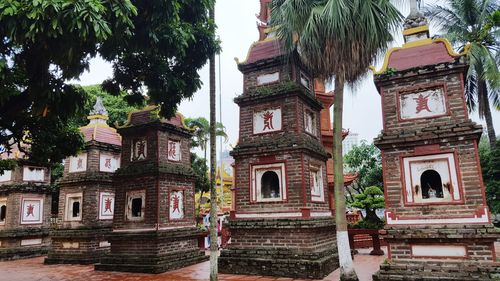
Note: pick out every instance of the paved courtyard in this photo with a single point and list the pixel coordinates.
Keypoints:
(34, 270)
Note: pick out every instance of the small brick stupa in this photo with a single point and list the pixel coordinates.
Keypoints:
(282, 223)
(25, 208)
(154, 227)
(437, 221)
(86, 196)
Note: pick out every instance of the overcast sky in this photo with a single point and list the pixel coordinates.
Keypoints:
(236, 23)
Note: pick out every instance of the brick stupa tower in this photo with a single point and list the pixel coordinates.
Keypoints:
(86, 196)
(25, 208)
(154, 227)
(282, 223)
(437, 221)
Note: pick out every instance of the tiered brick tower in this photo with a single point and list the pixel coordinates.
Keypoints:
(86, 196)
(25, 209)
(282, 224)
(154, 227)
(437, 220)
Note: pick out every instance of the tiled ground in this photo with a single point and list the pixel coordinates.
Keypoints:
(34, 270)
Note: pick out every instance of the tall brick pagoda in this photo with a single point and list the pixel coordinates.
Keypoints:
(86, 196)
(154, 227)
(282, 222)
(437, 221)
(25, 208)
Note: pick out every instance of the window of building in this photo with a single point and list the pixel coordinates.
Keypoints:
(3, 211)
(74, 207)
(432, 186)
(310, 122)
(431, 179)
(135, 206)
(268, 183)
(317, 186)
(305, 80)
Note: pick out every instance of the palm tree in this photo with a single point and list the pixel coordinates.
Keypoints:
(340, 39)
(201, 128)
(473, 21)
(213, 190)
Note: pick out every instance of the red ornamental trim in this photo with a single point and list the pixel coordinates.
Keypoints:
(479, 213)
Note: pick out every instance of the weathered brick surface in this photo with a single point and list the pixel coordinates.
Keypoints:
(152, 251)
(159, 243)
(453, 132)
(284, 247)
(13, 232)
(85, 247)
(303, 247)
(88, 232)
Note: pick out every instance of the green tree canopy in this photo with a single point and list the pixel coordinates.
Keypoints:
(156, 48)
(492, 180)
(201, 128)
(118, 109)
(364, 160)
(371, 199)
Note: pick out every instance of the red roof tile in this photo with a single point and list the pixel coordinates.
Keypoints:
(147, 115)
(263, 50)
(101, 133)
(429, 54)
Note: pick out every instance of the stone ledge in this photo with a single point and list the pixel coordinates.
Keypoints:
(133, 170)
(26, 188)
(182, 233)
(80, 233)
(413, 270)
(278, 253)
(24, 232)
(22, 253)
(294, 267)
(467, 232)
(280, 142)
(150, 263)
(281, 223)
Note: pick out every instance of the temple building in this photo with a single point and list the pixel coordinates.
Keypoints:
(282, 223)
(86, 195)
(154, 227)
(437, 221)
(25, 208)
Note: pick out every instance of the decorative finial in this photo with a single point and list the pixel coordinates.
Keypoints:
(99, 108)
(415, 25)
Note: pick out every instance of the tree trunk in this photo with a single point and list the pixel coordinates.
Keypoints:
(347, 272)
(371, 215)
(213, 190)
(483, 91)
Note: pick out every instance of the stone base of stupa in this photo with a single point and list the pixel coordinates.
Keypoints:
(152, 251)
(78, 246)
(296, 248)
(459, 253)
